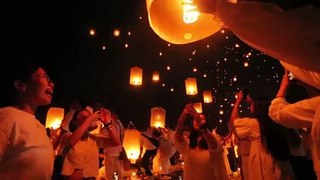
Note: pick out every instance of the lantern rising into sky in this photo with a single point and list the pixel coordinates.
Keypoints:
(54, 117)
(191, 86)
(155, 76)
(198, 107)
(131, 144)
(136, 76)
(158, 117)
(179, 21)
(207, 96)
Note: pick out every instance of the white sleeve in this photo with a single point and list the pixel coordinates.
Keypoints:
(297, 115)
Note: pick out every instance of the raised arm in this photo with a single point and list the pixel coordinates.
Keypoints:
(78, 133)
(112, 128)
(180, 123)
(284, 85)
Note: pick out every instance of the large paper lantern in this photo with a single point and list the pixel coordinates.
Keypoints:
(136, 76)
(158, 117)
(54, 117)
(131, 144)
(179, 21)
(155, 76)
(207, 96)
(191, 86)
(198, 107)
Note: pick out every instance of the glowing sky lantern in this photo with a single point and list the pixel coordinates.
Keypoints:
(131, 144)
(54, 117)
(158, 117)
(136, 76)
(179, 21)
(116, 32)
(155, 76)
(191, 86)
(207, 96)
(198, 107)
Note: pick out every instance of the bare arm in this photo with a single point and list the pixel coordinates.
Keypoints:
(78, 133)
(211, 139)
(180, 124)
(235, 110)
(284, 85)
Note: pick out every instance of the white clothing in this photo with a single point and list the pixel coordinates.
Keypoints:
(25, 149)
(166, 150)
(83, 155)
(146, 142)
(202, 164)
(261, 164)
(305, 113)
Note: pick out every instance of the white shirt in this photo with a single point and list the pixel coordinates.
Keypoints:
(83, 155)
(146, 142)
(25, 149)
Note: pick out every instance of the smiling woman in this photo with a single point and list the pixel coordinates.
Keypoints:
(30, 88)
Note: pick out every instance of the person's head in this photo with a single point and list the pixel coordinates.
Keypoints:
(31, 86)
(78, 118)
(196, 123)
(195, 137)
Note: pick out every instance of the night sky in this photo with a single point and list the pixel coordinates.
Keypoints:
(97, 67)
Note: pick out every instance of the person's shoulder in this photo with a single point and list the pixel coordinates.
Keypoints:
(8, 114)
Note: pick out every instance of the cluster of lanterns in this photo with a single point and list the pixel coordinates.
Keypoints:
(136, 74)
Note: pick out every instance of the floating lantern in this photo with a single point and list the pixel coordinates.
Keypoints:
(179, 21)
(155, 76)
(54, 117)
(136, 76)
(191, 86)
(158, 117)
(207, 96)
(198, 107)
(131, 144)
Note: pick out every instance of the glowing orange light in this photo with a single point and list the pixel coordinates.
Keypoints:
(136, 76)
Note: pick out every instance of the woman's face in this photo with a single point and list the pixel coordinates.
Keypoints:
(39, 88)
(196, 124)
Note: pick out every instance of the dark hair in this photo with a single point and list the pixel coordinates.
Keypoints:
(296, 93)
(17, 71)
(193, 140)
(72, 124)
(273, 135)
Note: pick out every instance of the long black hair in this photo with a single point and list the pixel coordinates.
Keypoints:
(273, 135)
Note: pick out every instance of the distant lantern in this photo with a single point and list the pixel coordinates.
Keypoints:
(136, 76)
(131, 144)
(180, 22)
(198, 107)
(158, 117)
(155, 76)
(54, 117)
(207, 96)
(92, 32)
(191, 86)
(116, 32)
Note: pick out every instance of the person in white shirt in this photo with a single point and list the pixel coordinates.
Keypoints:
(25, 149)
(201, 151)
(82, 157)
(304, 113)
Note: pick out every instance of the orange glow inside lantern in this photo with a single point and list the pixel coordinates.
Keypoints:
(54, 117)
(131, 144)
(191, 86)
(207, 96)
(155, 76)
(180, 22)
(136, 76)
(198, 107)
(158, 117)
